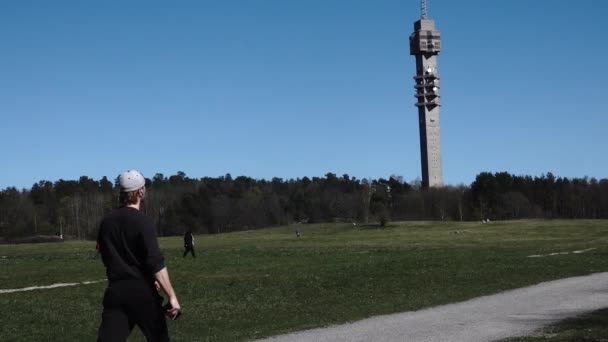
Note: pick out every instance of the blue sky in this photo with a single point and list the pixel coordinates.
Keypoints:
(275, 88)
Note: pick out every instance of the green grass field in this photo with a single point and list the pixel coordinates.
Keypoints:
(253, 284)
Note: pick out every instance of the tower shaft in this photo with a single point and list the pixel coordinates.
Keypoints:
(425, 44)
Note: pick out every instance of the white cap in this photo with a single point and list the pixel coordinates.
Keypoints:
(132, 180)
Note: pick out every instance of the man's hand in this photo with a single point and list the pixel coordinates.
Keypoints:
(172, 309)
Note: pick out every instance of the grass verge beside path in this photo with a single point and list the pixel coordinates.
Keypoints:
(592, 327)
(254, 284)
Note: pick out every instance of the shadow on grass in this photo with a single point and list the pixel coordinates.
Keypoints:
(595, 319)
(591, 327)
(375, 226)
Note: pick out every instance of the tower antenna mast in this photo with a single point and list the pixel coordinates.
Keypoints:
(423, 15)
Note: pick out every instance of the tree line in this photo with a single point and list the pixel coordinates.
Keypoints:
(177, 203)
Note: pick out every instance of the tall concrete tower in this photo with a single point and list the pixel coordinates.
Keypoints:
(425, 45)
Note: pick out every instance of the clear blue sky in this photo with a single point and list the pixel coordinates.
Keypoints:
(276, 88)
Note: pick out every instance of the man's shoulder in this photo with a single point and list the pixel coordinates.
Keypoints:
(110, 216)
(144, 221)
(126, 214)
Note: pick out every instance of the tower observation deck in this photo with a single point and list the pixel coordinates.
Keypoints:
(425, 44)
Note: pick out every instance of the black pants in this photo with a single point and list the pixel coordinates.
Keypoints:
(127, 303)
(189, 248)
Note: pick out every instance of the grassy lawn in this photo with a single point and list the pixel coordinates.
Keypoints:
(253, 284)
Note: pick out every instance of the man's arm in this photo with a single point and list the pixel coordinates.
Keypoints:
(162, 277)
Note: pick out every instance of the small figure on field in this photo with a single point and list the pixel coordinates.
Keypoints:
(135, 269)
(298, 232)
(189, 244)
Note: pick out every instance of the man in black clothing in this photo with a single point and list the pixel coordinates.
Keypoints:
(189, 244)
(135, 269)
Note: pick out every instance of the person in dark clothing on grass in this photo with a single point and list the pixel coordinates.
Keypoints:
(135, 269)
(189, 244)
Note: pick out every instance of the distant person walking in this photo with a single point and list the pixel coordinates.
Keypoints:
(189, 244)
(135, 269)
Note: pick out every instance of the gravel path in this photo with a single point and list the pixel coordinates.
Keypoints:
(512, 313)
